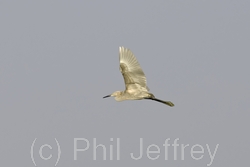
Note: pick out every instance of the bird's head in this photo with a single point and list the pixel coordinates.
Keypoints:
(116, 93)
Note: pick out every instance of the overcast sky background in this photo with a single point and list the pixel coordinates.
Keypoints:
(59, 58)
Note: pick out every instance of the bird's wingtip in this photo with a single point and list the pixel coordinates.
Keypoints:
(120, 48)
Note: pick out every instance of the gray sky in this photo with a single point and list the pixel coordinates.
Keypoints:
(59, 58)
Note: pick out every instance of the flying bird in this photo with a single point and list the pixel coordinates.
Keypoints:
(135, 80)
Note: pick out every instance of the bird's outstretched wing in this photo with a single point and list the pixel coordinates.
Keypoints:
(132, 73)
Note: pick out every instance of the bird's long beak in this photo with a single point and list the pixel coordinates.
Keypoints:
(106, 96)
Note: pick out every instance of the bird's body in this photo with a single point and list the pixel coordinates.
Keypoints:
(134, 78)
(131, 95)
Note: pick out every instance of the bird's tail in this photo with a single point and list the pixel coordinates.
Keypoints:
(169, 103)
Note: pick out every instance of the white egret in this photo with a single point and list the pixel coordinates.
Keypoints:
(135, 80)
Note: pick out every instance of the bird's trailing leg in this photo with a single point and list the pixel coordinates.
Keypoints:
(169, 103)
